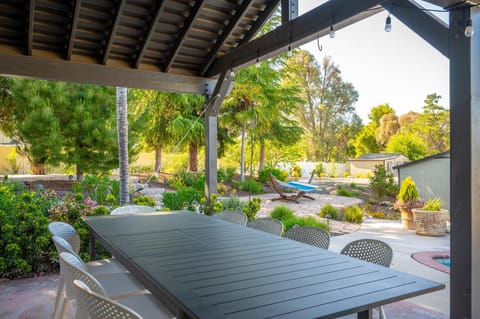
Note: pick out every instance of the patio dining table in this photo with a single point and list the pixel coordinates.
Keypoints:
(202, 267)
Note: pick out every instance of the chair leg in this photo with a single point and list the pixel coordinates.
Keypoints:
(64, 308)
(59, 297)
(381, 313)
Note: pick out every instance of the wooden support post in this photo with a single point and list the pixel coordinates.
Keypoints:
(211, 114)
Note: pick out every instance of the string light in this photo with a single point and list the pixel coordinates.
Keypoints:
(388, 24)
(290, 50)
(332, 32)
(469, 29)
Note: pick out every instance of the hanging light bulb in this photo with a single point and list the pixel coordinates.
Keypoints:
(469, 28)
(331, 34)
(388, 24)
(257, 64)
(290, 53)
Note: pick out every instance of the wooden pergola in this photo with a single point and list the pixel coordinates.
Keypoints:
(193, 47)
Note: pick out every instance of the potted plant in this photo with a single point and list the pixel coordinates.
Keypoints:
(407, 200)
(431, 219)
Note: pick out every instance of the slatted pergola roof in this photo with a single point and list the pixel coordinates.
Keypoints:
(171, 45)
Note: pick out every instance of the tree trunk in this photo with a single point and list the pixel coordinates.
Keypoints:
(38, 169)
(242, 154)
(261, 159)
(122, 131)
(192, 157)
(158, 159)
(79, 173)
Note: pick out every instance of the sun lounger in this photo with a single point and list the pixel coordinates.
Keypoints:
(300, 188)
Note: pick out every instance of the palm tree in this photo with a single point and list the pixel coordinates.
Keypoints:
(187, 129)
(122, 129)
(155, 110)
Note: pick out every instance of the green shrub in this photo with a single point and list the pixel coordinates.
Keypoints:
(263, 175)
(144, 200)
(341, 191)
(282, 212)
(249, 186)
(252, 207)
(354, 214)
(304, 221)
(232, 203)
(382, 183)
(296, 170)
(99, 188)
(183, 198)
(433, 204)
(319, 169)
(211, 207)
(225, 174)
(329, 210)
(408, 191)
(25, 244)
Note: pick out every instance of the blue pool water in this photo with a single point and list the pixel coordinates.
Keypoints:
(301, 186)
(443, 261)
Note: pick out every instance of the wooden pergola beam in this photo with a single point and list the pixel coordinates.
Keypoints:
(151, 31)
(233, 23)
(301, 30)
(71, 40)
(31, 20)
(183, 34)
(260, 21)
(423, 23)
(113, 30)
(71, 71)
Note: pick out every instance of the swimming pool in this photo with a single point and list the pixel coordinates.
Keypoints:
(443, 261)
(439, 260)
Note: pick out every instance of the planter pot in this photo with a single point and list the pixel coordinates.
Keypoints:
(431, 223)
(407, 218)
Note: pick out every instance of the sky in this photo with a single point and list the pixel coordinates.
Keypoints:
(397, 67)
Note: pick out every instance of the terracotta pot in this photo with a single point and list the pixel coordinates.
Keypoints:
(407, 218)
(431, 223)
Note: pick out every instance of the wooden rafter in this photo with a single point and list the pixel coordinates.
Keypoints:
(233, 23)
(260, 21)
(31, 19)
(301, 30)
(150, 32)
(113, 30)
(183, 34)
(71, 41)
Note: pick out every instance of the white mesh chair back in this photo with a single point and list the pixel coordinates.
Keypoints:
(132, 210)
(67, 232)
(62, 245)
(74, 268)
(232, 217)
(97, 306)
(269, 225)
(371, 250)
(314, 236)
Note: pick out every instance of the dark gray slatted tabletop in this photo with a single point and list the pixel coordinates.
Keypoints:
(210, 268)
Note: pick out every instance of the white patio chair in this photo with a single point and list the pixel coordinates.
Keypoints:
(145, 304)
(133, 210)
(232, 217)
(116, 285)
(91, 305)
(269, 225)
(373, 251)
(66, 239)
(310, 235)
